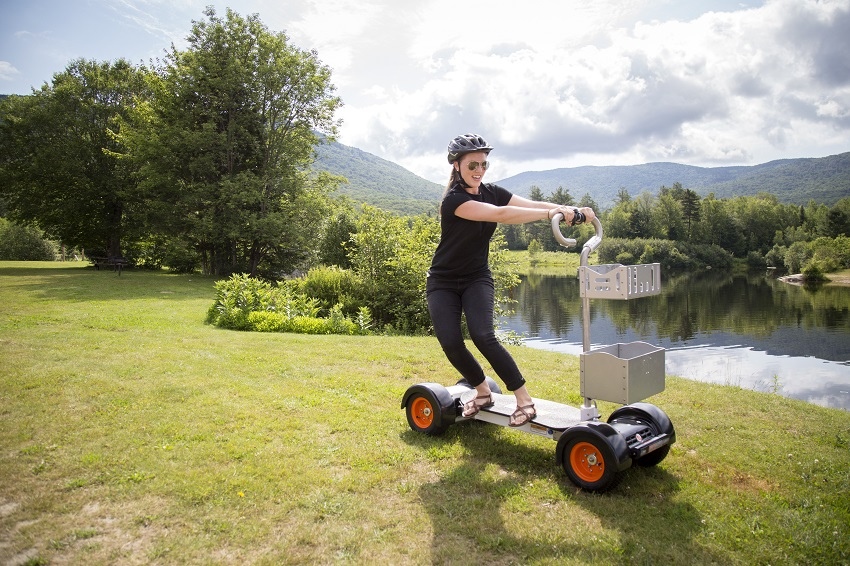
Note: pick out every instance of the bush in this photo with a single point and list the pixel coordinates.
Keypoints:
(245, 303)
(24, 243)
(832, 253)
(776, 256)
(756, 261)
(276, 322)
(796, 256)
(333, 286)
(391, 256)
(814, 272)
(674, 255)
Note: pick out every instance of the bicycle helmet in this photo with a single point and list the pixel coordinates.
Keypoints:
(466, 144)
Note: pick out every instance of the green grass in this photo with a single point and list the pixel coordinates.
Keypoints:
(545, 263)
(132, 433)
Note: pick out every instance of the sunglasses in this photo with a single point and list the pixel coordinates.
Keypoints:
(473, 165)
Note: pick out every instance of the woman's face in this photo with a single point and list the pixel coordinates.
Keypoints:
(472, 177)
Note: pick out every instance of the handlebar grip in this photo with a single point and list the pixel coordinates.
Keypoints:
(559, 236)
(592, 243)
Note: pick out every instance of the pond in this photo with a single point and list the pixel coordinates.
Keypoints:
(751, 331)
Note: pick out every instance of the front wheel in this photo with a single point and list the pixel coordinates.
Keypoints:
(589, 462)
(424, 413)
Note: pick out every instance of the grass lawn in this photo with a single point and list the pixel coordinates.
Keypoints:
(132, 433)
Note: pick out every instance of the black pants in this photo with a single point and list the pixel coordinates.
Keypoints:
(447, 300)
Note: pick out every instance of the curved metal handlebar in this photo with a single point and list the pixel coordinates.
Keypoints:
(589, 246)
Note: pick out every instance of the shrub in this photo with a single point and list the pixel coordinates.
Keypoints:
(266, 321)
(796, 256)
(236, 298)
(534, 248)
(756, 261)
(245, 303)
(814, 272)
(776, 256)
(24, 243)
(675, 255)
(333, 286)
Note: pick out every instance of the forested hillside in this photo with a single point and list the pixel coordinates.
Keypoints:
(792, 181)
(378, 182)
(389, 186)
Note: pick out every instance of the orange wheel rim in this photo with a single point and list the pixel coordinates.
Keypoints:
(422, 412)
(586, 461)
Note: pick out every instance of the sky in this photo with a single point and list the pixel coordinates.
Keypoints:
(548, 83)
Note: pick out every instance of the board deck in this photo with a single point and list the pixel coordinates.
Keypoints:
(551, 415)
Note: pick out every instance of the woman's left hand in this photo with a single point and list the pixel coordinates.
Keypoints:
(570, 215)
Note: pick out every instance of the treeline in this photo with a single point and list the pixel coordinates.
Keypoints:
(199, 161)
(681, 230)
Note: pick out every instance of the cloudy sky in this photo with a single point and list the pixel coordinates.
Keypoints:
(549, 83)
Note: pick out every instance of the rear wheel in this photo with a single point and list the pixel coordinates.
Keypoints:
(424, 413)
(589, 462)
(654, 418)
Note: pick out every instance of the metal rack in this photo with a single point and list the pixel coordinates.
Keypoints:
(619, 373)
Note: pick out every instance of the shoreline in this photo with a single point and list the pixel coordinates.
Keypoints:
(838, 279)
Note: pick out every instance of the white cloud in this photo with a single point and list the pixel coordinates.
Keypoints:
(726, 87)
(552, 83)
(7, 71)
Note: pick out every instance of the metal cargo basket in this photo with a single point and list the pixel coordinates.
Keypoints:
(615, 281)
(622, 373)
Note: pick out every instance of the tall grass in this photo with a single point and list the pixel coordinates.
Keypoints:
(133, 433)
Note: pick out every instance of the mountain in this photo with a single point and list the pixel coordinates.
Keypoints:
(384, 184)
(378, 182)
(795, 181)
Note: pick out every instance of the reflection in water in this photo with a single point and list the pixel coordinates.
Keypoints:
(753, 332)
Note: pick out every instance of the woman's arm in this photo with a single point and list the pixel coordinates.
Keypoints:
(484, 212)
(518, 211)
(517, 200)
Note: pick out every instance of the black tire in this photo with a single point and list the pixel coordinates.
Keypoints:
(424, 413)
(657, 421)
(589, 461)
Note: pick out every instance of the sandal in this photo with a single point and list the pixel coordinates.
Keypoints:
(522, 416)
(471, 408)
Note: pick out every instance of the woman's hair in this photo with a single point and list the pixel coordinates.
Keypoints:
(454, 177)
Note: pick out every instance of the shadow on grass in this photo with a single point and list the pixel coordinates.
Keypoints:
(494, 478)
(80, 283)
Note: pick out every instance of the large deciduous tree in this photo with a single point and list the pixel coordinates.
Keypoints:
(60, 165)
(225, 144)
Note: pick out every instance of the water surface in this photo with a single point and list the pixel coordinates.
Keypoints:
(751, 331)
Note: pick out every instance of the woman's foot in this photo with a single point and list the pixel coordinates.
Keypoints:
(472, 407)
(522, 415)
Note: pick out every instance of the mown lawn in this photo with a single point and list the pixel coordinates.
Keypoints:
(132, 433)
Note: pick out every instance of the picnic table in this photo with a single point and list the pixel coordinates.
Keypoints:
(114, 263)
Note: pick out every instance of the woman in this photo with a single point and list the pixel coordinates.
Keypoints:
(460, 281)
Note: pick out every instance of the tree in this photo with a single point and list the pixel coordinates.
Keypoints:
(838, 219)
(562, 196)
(391, 254)
(588, 201)
(642, 223)
(61, 165)
(335, 241)
(226, 141)
(667, 214)
(539, 231)
(690, 210)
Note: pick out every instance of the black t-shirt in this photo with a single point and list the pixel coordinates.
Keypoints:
(464, 247)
